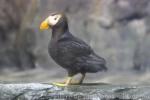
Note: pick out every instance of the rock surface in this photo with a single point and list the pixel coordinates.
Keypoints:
(97, 91)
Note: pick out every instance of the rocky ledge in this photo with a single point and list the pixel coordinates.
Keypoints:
(38, 91)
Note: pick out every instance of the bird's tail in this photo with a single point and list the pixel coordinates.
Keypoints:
(96, 63)
(103, 68)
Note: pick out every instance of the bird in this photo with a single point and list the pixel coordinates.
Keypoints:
(70, 52)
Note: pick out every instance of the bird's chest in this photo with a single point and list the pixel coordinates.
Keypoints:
(59, 54)
(53, 50)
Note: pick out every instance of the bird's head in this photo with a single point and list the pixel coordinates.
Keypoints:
(54, 20)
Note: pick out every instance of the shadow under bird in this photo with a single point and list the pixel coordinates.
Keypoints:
(70, 52)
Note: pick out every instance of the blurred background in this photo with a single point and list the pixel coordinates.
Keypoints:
(117, 30)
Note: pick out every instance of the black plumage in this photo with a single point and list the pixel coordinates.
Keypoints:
(72, 53)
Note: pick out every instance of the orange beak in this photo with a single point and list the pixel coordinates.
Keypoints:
(44, 25)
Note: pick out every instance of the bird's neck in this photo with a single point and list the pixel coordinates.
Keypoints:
(57, 32)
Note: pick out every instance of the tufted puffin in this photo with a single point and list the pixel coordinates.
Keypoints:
(70, 52)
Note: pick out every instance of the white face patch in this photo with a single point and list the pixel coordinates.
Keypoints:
(53, 19)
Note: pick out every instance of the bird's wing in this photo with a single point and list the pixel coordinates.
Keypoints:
(75, 47)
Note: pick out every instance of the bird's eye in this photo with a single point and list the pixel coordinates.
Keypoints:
(55, 18)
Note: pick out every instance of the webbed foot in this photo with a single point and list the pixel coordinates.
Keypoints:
(68, 82)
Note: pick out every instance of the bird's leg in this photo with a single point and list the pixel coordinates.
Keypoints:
(74, 82)
(66, 83)
(82, 78)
